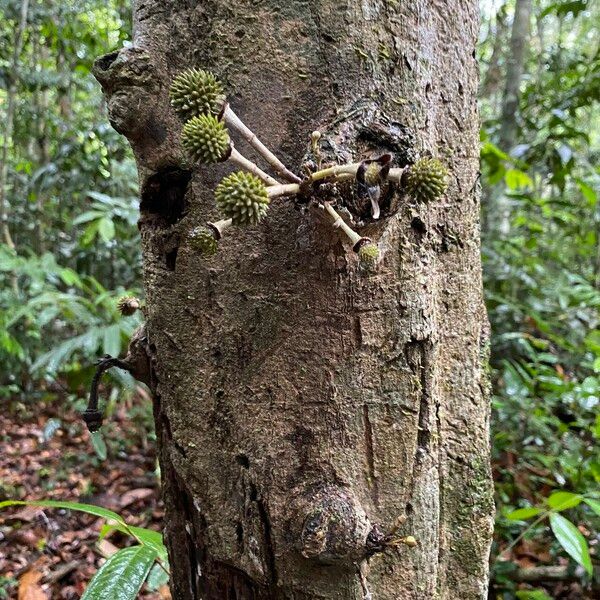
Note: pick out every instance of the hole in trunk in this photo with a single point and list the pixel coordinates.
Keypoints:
(104, 62)
(163, 195)
(171, 259)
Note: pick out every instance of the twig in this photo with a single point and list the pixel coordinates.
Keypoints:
(355, 238)
(243, 162)
(232, 120)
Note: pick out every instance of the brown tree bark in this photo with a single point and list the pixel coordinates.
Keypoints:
(304, 409)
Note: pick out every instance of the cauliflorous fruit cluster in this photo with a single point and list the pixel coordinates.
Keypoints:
(244, 196)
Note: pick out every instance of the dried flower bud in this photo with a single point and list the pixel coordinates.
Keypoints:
(128, 305)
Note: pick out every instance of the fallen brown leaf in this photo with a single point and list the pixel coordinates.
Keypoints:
(29, 587)
(135, 495)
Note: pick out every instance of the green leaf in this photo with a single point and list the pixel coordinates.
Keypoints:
(516, 179)
(593, 504)
(570, 538)
(563, 500)
(106, 229)
(122, 575)
(99, 445)
(111, 342)
(158, 576)
(86, 217)
(588, 192)
(532, 595)
(90, 509)
(523, 513)
(147, 537)
(70, 277)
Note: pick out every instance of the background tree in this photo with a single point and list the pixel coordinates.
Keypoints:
(542, 288)
(302, 407)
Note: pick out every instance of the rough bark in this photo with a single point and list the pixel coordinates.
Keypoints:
(302, 407)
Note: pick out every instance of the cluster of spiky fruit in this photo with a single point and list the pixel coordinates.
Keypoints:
(197, 96)
(196, 92)
(205, 139)
(426, 180)
(243, 198)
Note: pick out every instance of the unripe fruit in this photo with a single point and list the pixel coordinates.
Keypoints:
(242, 197)
(206, 139)
(368, 255)
(196, 92)
(426, 180)
(203, 241)
(128, 305)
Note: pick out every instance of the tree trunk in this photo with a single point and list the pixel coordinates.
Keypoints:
(306, 410)
(519, 43)
(497, 222)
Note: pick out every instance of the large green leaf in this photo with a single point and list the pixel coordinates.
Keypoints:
(563, 500)
(146, 537)
(523, 513)
(593, 504)
(122, 575)
(90, 509)
(571, 540)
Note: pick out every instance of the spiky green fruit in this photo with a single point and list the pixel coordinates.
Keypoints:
(128, 305)
(196, 92)
(206, 139)
(203, 240)
(242, 197)
(426, 180)
(368, 254)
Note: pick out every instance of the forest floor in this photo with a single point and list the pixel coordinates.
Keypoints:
(48, 554)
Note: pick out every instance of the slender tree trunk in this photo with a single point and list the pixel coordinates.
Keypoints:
(498, 205)
(519, 43)
(8, 129)
(304, 410)
(492, 82)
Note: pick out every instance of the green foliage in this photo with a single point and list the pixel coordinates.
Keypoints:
(71, 193)
(542, 281)
(56, 318)
(123, 574)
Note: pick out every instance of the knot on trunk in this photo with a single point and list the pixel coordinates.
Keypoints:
(131, 84)
(334, 527)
